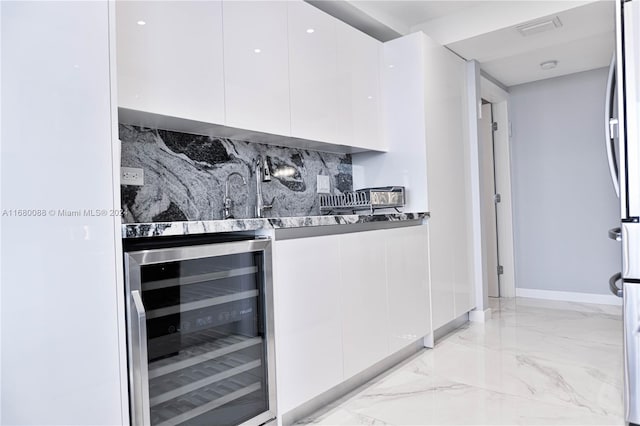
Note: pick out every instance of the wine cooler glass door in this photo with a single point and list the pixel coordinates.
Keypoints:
(200, 334)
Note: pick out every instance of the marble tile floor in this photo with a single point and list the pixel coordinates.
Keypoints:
(534, 363)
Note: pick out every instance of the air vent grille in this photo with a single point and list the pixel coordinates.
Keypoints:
(539, 26)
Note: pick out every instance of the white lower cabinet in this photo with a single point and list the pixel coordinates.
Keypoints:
(408, 295)
(364, 301)
(307, 316)
(344, 302)
(442, 284)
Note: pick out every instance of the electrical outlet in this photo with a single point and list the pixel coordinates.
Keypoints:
(131, 176)
(324, 185)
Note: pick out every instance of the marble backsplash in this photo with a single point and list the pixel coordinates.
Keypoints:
(184, 176)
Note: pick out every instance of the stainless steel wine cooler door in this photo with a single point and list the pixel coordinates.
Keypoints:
(200, 334)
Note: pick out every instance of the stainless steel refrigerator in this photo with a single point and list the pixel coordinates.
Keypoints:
(623, 148)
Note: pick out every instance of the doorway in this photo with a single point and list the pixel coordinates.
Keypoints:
(489, 198)
(496, 215)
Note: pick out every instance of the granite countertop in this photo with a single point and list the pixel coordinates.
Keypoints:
(157, 229)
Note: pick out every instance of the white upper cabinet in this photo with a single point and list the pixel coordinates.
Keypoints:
(270, 67)
(359, 95)
(256, 66)
(313, 67)
(169, 58)
(335, 80)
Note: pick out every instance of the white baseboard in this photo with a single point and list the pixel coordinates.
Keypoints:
(568, 296)
(480, 316)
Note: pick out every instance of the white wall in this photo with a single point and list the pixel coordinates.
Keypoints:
(564, 201)
(61, 360)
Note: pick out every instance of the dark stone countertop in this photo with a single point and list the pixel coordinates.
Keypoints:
(157, 229)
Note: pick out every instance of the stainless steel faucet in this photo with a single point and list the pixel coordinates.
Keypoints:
(228, 202)
(261, 170)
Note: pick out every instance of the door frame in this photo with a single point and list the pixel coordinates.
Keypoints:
(499, 99)
(488, 206)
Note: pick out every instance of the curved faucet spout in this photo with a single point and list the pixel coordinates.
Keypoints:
(226, 184)
(228, 203)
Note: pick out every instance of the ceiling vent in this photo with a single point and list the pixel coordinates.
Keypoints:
(539, 26)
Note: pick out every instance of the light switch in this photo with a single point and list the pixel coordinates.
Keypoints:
(324, 185)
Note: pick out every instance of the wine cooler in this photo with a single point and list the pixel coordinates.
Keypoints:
(200, 331)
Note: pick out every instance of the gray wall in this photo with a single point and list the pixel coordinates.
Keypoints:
(564, 201)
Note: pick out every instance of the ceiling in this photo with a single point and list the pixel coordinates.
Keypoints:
(486, 31)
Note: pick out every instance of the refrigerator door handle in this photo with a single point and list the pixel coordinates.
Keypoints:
(611, 126)
(615, 234)
(629, 112)
(139, 362)
(612, 284)
(632, 352)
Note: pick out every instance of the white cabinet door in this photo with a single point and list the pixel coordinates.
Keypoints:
(308, 320)
(173, 63)
(364, 300)
(407, 285)
(359, 95)
(256, 66)
(449, 183)
(442, 286)
(62, 333)
(312, 61)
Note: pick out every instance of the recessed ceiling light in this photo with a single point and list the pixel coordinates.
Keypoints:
(310, 30)
(141, 23)
(549, 65)
(539, 26)
(391, 66)
(369, 97)
(257, 50)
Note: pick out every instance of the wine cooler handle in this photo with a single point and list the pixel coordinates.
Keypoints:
(139, 361)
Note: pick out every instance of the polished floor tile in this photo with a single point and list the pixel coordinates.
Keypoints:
(534, 363)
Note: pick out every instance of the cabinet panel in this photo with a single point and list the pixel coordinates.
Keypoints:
(364, 300)
(173, 64)
(359, 95)
(308, 320)
(442, 264)
(63, 361)
(449, 183)
(312, 61)
(407, 285)
(256, 66)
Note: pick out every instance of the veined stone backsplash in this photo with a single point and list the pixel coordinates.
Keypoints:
(185, 174)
